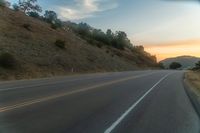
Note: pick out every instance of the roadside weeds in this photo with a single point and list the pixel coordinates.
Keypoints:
(192, 87)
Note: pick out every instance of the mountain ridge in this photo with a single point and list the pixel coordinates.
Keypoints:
(186, 61)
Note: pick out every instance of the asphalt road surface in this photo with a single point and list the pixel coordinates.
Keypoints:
(123, 102)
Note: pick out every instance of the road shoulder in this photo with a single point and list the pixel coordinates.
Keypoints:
(192, 87)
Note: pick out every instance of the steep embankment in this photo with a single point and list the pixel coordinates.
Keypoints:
(31, 43)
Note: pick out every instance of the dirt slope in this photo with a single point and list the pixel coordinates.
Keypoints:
(31, 42)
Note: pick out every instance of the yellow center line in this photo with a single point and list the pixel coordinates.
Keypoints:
(39, 100)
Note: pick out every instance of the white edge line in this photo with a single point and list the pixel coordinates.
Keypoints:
(112, 127)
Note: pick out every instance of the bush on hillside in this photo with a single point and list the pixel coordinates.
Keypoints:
(56, 25)
(53, 26)
(27, 27)
(7, 61)
(60, 44)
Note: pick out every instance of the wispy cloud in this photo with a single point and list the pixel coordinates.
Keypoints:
(85, 8)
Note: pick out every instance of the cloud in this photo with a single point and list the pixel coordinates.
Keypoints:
(85, 8)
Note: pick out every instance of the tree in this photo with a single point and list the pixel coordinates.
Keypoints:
(197, 65)
(50, 16)
(175, 65)
(109, 33)
(33, 14)
(15, 7)
(120, 40)
(84, 29)
(100, 36)
(29, 5)
(58, 23)
(138, 48)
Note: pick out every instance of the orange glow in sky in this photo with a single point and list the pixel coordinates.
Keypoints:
(173, 49)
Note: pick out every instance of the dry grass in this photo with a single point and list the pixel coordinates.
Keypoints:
(194, 79)
(31, 42)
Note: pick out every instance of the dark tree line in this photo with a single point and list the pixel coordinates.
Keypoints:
(32, 9)
(118, 39)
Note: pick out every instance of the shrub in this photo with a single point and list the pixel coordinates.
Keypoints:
(53, 26)
(7, 61)
(27, 27)
(175, 65)
(60, 44)
(99, 45)
(56, 25)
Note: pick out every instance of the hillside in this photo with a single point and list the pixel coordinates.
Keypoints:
(185, 61)
(31, 44)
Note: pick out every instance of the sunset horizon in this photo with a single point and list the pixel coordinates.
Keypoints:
(174, 49)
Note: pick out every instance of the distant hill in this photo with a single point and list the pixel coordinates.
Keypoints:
(35, 49)
(185, 61)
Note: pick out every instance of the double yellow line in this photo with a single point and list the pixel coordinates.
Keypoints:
(39, 100)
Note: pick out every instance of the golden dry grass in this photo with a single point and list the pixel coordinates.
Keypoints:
(38, 56)
(193, 77)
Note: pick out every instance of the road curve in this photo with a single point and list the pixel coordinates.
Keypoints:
(151, 101)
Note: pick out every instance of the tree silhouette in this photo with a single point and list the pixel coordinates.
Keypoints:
(175, 65)
(197, 65)
(50, 16)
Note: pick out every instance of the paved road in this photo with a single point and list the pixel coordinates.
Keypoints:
(125, 102)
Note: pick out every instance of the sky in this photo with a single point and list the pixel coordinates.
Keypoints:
(166, 28)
